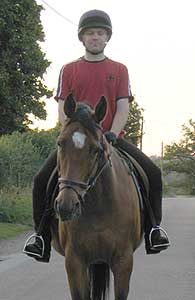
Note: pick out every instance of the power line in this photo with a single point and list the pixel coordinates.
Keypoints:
(58, 13)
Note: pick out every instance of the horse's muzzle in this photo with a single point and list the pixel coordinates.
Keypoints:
(67, 214)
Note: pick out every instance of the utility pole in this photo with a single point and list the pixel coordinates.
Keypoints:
(142, 133)
(162, 157)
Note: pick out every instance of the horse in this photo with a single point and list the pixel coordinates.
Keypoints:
(99, 222)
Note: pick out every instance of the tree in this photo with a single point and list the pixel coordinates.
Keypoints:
(22, 65)
(180, 157)
(134, 126)
(186, 146)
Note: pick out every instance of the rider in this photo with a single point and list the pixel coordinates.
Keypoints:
(88, 78)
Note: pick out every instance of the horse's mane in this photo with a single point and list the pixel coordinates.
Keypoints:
(84, 114)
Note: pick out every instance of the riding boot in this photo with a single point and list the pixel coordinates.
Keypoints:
(38, 246)
(156, 239)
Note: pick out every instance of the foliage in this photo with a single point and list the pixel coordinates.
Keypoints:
(175, 183)
(22, 154)
(19, 159)
(22, 65)
(134, 126)
(44, 141)
(15, 205)
(180, 156)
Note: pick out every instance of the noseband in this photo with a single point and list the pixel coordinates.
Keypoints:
(101, 163)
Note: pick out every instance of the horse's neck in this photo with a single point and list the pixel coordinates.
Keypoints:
(105, 190)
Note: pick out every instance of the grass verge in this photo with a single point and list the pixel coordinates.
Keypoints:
(16, 206)
(8, 230)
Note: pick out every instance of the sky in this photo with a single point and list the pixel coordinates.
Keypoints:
(155, 39)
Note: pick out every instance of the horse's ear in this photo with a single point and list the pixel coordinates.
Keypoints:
(100, 109)
(69, 106)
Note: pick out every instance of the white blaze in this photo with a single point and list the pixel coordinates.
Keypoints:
(79, 139)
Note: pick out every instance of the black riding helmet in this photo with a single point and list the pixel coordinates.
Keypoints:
(94, 18)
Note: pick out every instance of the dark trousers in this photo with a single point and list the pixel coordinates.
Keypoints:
(151, 170)
(40, 182)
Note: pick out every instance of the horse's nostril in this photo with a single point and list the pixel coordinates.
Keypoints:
(78, 209)
(56, 207)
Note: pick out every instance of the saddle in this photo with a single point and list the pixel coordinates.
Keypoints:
(139, 176)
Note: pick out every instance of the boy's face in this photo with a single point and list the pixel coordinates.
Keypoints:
(95, 39)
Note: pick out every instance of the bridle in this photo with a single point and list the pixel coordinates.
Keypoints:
(100, 163)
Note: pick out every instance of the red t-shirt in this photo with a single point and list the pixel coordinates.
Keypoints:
(88, 81)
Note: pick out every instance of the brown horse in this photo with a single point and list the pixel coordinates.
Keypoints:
(98, 207)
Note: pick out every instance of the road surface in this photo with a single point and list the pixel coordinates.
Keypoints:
(167, 276)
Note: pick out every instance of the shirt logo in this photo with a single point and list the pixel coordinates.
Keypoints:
(110, 77)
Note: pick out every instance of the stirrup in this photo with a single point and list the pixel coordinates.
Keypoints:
(31, 240)
(159, 246)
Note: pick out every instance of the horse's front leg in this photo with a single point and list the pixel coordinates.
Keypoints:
(122, 272)
(77, 277)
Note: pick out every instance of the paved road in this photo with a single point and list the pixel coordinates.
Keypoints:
(168, 276)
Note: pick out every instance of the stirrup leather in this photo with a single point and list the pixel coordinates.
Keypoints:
(31, 240)
(159, 246)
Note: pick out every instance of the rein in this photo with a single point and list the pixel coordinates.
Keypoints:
(86, 186)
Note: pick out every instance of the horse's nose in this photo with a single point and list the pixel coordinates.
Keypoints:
(67, 212)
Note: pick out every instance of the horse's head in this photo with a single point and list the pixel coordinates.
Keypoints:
(81, 155)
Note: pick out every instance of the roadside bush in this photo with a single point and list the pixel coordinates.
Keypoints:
(19, 160)
(44, 141)
(21, 156)
(15, 206)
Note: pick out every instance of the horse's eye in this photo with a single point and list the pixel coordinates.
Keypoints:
(60, 143)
